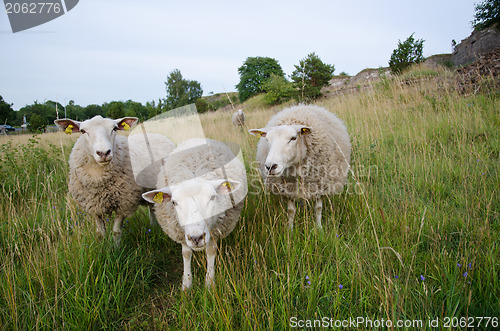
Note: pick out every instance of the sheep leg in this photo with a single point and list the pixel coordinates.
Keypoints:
(101, 227)
(211, 252)
(187, 278)
(152, 218)
(117, 230)
(291, 212)
(318, 207)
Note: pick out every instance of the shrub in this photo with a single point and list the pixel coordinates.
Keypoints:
(310, 76)
(201, 105)
(407, 53)
(278, 90)
(487, 14)
(254, 73)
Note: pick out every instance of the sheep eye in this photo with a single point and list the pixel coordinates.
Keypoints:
(174, 203)
(212, 198)
(115, 128)
(83, 131)
(293, 138)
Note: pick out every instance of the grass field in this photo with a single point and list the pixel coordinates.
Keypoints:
(415, 235)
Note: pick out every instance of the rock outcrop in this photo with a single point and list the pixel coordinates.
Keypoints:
(478, 43)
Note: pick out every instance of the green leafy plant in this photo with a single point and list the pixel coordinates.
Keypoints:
(254, 73)
(487, 14)
(278, 90)
(310, 76)
(408, 52)
(180, 91)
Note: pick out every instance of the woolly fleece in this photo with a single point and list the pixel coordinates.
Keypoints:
(324, 166)
(200, 158)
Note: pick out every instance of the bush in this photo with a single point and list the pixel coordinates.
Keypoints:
(310, 76)
(278, 90)
(487, 14)
(407, 53)
(201, 105)
(254, 73)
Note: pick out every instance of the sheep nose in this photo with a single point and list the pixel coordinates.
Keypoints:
(103, 154)
(271, 168)
(197, 240)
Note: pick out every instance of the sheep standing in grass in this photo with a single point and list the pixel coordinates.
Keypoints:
(238, 118)
(101, 179)
(199, 197)
(304, 152)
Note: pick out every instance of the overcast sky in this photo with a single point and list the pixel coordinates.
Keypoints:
(110, 50)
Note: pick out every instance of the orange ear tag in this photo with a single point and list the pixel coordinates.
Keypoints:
(69, 129)
(158, 197)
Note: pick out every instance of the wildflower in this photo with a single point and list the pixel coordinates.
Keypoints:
(465, 274)
(307, 277)
(341, 286)
(477, 160)
(470, 265)
(149, 230)
(459, 265)
(308, 282)
(396, 276)
(422, 278)
(337, 235)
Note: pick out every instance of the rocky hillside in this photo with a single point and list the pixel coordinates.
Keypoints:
(478, 43)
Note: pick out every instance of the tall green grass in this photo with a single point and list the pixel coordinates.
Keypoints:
(414, 236)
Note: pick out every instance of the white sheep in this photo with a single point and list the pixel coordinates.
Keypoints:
(101, 179)
(238, 118)
(304, 152)
(200, 195)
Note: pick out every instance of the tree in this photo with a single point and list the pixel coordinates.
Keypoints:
(115, 109)
(278, 90)
(37, 123)
(7, 114)
(180, 91)
(39, 115)
(254, 72)
(92, 110)
(487, 14)
(310, 76)
(407, 53)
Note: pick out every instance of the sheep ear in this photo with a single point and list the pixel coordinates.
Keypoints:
(223, 186)
(126, 123)
(158, 196)
(68, 126)
(258, 132)
(302, 129)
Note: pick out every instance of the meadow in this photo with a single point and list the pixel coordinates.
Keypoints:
(415, 236)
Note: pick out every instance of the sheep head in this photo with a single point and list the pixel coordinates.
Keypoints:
(99, 134)
(286, 146)
(196, 202)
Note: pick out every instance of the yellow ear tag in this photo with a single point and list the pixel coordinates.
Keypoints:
(126, 126)
(158, 197)
(69, 129)
(228, 185)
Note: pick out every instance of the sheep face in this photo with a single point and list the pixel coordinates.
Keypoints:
(286, 146)
(196, 203)
(99, 134)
